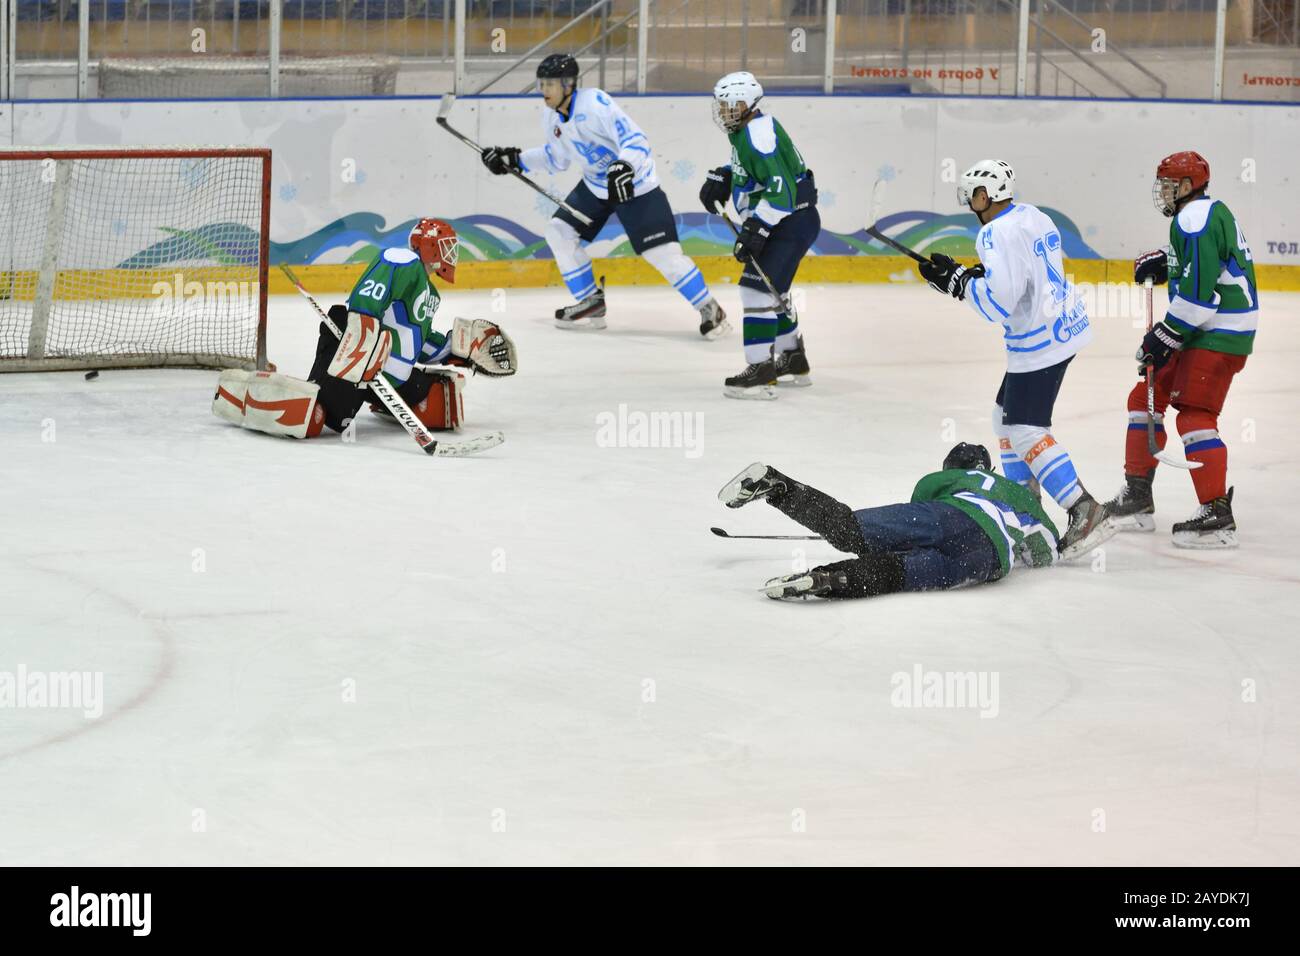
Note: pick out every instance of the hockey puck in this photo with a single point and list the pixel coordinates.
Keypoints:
(91, 375)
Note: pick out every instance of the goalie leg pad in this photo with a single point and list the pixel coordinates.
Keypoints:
(228, 400)
(279, 405)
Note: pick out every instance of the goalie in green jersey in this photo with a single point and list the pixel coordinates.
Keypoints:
(387, 329)
(964, 525)
(771, 187)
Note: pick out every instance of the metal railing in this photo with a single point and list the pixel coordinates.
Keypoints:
(1128, 48)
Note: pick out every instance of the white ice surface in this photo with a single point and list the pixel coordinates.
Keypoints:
(501, 618)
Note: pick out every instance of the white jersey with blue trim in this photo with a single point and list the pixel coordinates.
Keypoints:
(1025, 289)
(596, 133)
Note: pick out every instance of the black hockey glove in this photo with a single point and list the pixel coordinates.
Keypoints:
(1153, 266)
(716, 189)
(1158, 345)
(945, 275)
(619, 178)
(752, 239)
(500, 159)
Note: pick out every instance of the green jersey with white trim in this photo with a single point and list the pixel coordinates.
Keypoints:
(765, 169)
(397, 291)
(1010, 514)
(1213, 300)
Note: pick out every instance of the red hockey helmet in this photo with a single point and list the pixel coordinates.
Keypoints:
(1173, 169)
(435, 242)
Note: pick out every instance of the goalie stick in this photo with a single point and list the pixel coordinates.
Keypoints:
(444, 108)
(394, 403)
(767, 537)
(1153, 447)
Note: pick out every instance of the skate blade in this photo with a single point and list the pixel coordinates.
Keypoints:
(1104, 531)
(589, 323)
(1137, 522)
(732, 494)
(794, 381)
(718, 331)
(1214, 540)
(759, 393)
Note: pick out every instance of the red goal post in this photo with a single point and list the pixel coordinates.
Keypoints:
(117, 257)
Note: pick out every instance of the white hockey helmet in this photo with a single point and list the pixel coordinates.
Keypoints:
(997, 178)
(735, 97)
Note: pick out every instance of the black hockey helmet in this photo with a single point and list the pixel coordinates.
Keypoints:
(558, 66)
(965, 455)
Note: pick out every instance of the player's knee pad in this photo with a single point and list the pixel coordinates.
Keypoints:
(1028, 441)
(668, 258)
(757, 301)
(1137, 398)
(562, 238)
(1197, 425)
(269, 402)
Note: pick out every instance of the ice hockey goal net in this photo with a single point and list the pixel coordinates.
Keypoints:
(119, 257)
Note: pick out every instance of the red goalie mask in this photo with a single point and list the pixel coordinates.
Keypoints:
(435, 242)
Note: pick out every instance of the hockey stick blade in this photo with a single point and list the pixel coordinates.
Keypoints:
(445, 105)
(1169, 459)
(470, 446)
(767, 537)
(875, 233)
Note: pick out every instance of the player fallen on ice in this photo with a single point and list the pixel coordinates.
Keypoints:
(963, 525)
(1203, 341)
(618, 179)
(1020, 285)
(771, 187)
(387, 327)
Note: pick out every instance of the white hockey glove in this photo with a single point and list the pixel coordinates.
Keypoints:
(362, 351)
(484, 347)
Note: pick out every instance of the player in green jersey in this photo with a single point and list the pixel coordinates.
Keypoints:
(1203, 341)
(387, 327)
(964, 525)
(771, 187)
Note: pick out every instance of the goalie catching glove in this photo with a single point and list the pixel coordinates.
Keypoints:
(484, 347)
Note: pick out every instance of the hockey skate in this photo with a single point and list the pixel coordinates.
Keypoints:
(756, 382)
(587, 314)
(792, 368)
(1089, 526)
(1133, 508)
(713, 321)
(800, 586)
(756, 481)
(1211, 527)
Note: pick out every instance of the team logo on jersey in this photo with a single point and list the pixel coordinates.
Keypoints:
(737, 167)
(556, 131)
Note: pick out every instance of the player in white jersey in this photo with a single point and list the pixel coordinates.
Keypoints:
(618, 178)
(1020, 284)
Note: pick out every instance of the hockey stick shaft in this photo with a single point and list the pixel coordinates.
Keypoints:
(380, 388)
(875, 233)
(767, 537)
(784, 300)
(442, 121)
(1150, 372)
